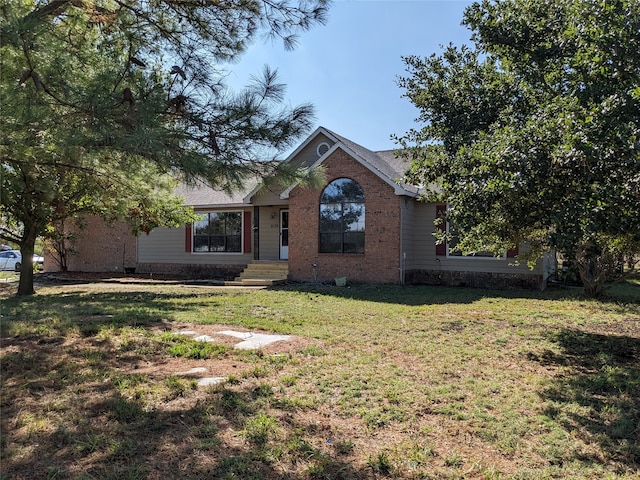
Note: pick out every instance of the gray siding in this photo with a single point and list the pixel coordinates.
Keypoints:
(267, 198)
(269, 233)
(308, 155)
(167, 245)
(421, 243)
(407, 225)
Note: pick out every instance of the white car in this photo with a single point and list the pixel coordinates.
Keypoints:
(10, 260)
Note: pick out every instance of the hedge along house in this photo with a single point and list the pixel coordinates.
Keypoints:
(364, 225)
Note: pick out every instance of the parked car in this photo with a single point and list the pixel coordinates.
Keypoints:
(10, 260)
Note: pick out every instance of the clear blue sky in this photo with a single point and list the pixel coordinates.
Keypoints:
(348, 68)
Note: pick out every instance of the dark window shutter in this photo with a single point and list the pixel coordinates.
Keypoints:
(441, 249)
(247, 232)
(188, 238)
(512, 252)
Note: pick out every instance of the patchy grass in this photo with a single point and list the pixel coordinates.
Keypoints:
(383, 382)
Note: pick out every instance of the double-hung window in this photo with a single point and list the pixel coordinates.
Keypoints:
(219, 232)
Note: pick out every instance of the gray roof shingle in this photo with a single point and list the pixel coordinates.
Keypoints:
(385, 163)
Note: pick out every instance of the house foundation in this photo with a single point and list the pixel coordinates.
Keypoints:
(475, 279)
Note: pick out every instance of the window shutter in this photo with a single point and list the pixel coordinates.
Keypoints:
(512, 252)
(247, 233)
(441, 249)
(188, 238)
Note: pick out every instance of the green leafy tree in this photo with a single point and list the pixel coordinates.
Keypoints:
(533, 133)
(106, 101)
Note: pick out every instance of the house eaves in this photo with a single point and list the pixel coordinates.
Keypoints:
(318, 131)
(366, 161)
(201, 196)
(383, 164)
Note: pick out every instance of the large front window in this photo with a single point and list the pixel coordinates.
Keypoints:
(342, 216)
(218, 232)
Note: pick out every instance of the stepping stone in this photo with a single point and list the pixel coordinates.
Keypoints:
(209, 381)
(205, 338)
(193, 371)
(260, 340)
(242, 335)
(187, 332)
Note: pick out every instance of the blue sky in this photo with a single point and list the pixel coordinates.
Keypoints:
(348, 68)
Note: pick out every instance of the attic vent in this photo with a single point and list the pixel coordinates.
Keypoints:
(322, 149)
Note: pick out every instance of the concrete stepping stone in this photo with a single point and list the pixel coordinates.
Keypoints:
(193, 371)
(187, 332)
(205, 338)
(242, 335)
(254, 341)
(209, 381)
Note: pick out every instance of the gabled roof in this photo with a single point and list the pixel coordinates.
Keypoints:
(384, 164)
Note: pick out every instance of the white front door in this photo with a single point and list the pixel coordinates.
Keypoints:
(284, 234)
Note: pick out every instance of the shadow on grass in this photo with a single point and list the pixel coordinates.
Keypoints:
(94, 429)
(597, 396)
(415, 295)
(88, 312)
(70, 409)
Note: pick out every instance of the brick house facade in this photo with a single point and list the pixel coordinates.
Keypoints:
(380, 262)
(267, 225)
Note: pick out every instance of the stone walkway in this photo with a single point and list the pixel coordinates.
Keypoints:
(249, 341)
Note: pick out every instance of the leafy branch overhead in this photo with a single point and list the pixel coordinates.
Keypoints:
(114, 94)
(532, 133)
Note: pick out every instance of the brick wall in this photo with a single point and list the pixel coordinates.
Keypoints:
(192, 271)
(475, 279)
(100, 247)
(381, 261)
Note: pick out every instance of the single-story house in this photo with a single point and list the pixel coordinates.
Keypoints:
(365, 225)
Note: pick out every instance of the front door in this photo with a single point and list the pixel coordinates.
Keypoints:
(284, 234)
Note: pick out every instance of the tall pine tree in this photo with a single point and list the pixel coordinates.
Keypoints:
(105, 101)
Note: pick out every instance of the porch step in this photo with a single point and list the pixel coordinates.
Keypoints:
(264, 272)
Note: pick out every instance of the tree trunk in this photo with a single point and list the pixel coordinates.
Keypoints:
(27, 247)
(596, 266)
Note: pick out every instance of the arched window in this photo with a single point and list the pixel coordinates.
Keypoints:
(342, 217)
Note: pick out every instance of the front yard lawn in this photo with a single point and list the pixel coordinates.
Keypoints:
(375, 382)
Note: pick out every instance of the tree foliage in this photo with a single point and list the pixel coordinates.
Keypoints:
(533, 132)
(107, 102)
